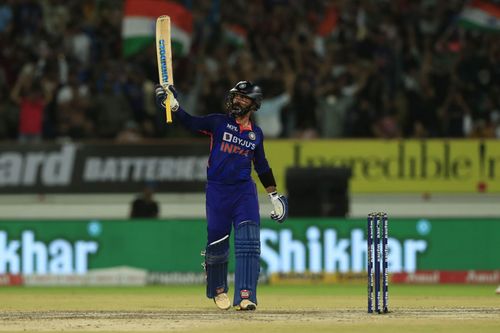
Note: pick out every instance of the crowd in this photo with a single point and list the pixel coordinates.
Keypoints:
(328, 68)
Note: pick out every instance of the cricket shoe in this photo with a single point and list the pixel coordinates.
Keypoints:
(222, 301)
(246, 305)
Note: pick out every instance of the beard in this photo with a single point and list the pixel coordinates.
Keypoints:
(239, 110)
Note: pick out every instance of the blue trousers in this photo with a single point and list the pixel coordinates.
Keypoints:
(231, 206)
(228, 205)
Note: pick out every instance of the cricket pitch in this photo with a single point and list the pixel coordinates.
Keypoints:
(340, 308)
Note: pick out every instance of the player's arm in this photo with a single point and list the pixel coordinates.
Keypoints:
(266, 177)
(195, 124)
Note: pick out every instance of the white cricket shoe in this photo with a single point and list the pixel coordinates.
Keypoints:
(246, 305)
(222, 301)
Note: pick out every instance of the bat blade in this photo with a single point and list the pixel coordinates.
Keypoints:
(164, 58)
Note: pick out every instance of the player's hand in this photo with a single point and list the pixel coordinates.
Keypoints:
(280, 204)
(162, 94)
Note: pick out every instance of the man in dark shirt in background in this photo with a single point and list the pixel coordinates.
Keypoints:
(144, 206)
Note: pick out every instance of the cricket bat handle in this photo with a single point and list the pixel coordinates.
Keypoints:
(168, 110)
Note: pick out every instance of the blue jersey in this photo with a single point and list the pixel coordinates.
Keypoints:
(232, 147)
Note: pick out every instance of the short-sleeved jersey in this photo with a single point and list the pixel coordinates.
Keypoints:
(232, 147)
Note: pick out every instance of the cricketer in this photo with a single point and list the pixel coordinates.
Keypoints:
(231, 194)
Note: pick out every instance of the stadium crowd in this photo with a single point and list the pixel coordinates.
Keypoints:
(328, 68)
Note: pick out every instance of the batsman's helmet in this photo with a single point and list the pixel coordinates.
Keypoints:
(247, 89)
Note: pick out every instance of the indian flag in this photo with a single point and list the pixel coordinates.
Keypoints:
(481, 15)
(329, 22)
(235, 34)
(138, 28)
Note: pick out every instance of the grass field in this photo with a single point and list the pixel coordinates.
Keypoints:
(291, 309)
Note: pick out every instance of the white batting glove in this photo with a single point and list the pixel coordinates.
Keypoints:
(280, 204)
(162, 94)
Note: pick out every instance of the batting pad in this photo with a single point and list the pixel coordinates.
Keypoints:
(216, 258)
(247, 251)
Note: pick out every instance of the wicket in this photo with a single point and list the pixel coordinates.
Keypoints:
(377, 238)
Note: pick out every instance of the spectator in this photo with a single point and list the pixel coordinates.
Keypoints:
(495, 121)
(361, 120)
(9, 115)
(278, 92)
(72, 109)
(31, 98)
(455, 115)
(303, 106)
(111, 111)
(129, 134)
(6, 15)
(324, 65)
(144, 206)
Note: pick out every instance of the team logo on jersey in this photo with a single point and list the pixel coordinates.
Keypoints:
(251, 135)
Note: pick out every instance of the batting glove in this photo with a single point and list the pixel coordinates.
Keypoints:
(280, 204)
(162, 94)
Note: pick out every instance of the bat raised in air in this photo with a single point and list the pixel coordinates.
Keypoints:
(164, 55)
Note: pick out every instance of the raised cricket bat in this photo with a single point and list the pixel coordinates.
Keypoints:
(164, 55)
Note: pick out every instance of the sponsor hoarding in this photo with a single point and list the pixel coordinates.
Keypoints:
(111, 168)
(378, 166)
(298, 246)
(389, 166)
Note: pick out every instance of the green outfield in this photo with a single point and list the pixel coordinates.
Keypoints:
(339, 308)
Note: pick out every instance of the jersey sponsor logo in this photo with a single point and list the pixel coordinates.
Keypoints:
(232, 127)
(233, 149)
(228, 137)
